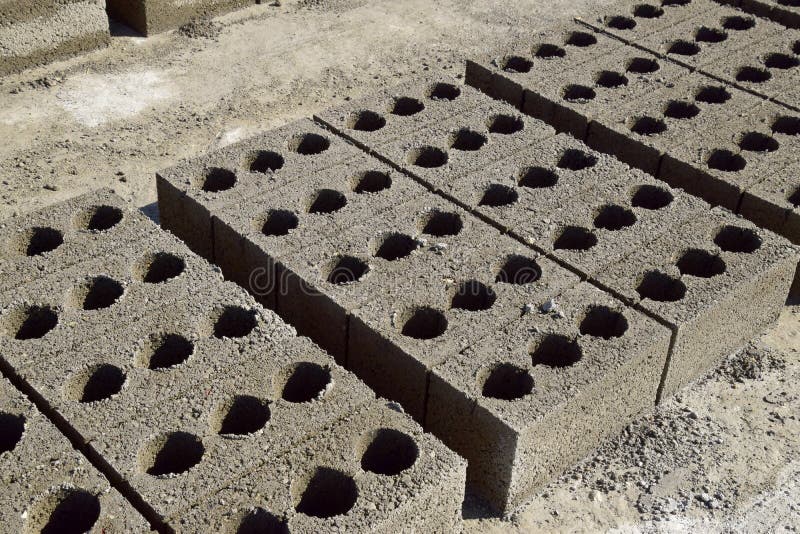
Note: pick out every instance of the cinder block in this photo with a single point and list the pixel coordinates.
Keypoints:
(773, 203)
(49, 486)
(716, 282)
(155, 16)
(535, 397)
(374, 471)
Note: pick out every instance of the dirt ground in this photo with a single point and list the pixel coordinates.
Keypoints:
(721, 457)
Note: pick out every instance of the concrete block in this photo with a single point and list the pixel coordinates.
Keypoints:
(717, 282)
(633, 20)
(155, 16)
(374, 471)
(774, 202)
(537, 396)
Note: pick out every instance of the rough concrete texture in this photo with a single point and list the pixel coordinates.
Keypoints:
(34, 35)
(533, 398)
(155, 16)
(773, 204)
(785, 12)
(47, 485)
(716, 282)
(373, 471)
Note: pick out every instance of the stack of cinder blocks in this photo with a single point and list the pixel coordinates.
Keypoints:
(155, 16)
(461, 263)
(34, 32)
(206, 411)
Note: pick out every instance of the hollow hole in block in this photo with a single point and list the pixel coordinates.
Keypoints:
(704, 34)
(241, 415)
(506, 381)
(439, 223)
(619, 22)
(575, 238)
(406, 106)
(96, 293)
(66, 509)
(548, 51)
(12, 427)
(794, 197)
(576, 160)
(260, 521)
(726, 161)
(387, 451)
(796, 47)
(29, 322)
(613, 217)
(683, 48)
(233, 322)
(647, 11)
(578, 94)
(789, 3)
(279, 222)
(366, 121)
(700, 263)
(37, 241)
(611, 79)
(264, 161)
(758, 142)
(648, 126)
(98, 218)
(304, 382)
(517, 64)
(473, 296)
(753, 75)
(651, 197)
(217, 179)
(159, 267)
(309, 144)
(172, 453)
(675, 3)
(423, 323)
(713, 94)
(556, 350)
(328, 493)
(396, 246)
(678, 109)
(780, 61)
(604, 322)
(736, 239)
(538, 178)
(497, 195)
(660, 287)
(327, 201)
(427, 157)
(642, 65)
(505, 124)
(581, 39)
(95, 383)
(518, 270)
(444, 91)
(371, 182)
(347, 270)
(738, 23)
(786, 125)
(467, 140)
(162, 351)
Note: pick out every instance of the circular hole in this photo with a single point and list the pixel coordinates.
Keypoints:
(651, 197)
(96, 293)
(328, 493)
(406, 106)
(713, 94)
(467, 140)
(505, 124)
(506, 382)
(683, 48)
(794, 198)
(37, 241)
(538, 178)
(424, 323)
(371, 182)
(11, 429)
(279, 222)
(738, 23)
(610, 79)
(388, 452)
(217, 179)
(726, 161)
(581, 39)
(604, 322)
(796, 47)
(648, 126)
(66, 510)
(705, 34)
(98, 218)
(781, 61)
(171, 453)
(327, 201)
(548, 51)
(233, 322)
(163, 351)
(575, 238)
(518, 270)
(305, 382)
(613, 218)
(642, 65)
(677, 109)
(473, 296)
(758, 142)
(347, 270)
(95, 383)
(556, 351)
(427, 157)
(29, 322)
(260, 521)
(647, 11)
(442, 223)
(396, 246)
(737, 239)
(786, 125)
(159, 267)
(517, 64)
(497, 195)
(753, 75)
(444, 91)
(576, 160)
(366, 121)
(241, 415)
(661, 287)
(619, 22)
(309, 144)
(700, 263)
(579, 94)
(675, 3)
(265, 161)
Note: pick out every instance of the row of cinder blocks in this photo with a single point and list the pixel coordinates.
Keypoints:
(204, 409)
(457, 272)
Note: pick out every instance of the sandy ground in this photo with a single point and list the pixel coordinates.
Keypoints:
(723, 456)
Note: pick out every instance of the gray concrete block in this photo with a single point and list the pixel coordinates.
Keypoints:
(155, 16)
(773, 203)
(534, 398)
